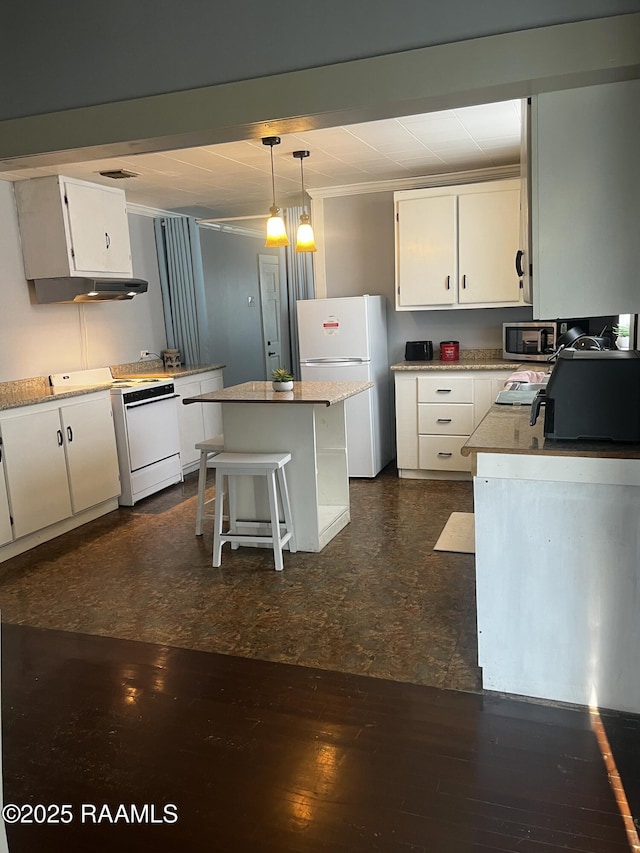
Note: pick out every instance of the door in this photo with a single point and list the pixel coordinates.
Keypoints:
(211, 412)
(269, 279)
(99, 229)
(36, 470)
(92, 458)
(190, 421)
(152, 431)
(333, 328)
(489, 224)
(426, 251)
(6, 534)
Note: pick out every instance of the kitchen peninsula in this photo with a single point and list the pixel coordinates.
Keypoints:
(308, 422)
(557, 563)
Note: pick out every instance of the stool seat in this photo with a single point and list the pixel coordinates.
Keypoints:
(208, 448)
(272, 467)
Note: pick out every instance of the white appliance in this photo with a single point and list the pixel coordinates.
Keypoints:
(145, 419)
(346, 339)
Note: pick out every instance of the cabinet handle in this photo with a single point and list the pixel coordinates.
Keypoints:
(270, 353)
(69, 433)
(464, 282)
(443, 391)
(444, 420)
(60, 438)
(107, 239)
(519, 257)
(441, 453)
(448, 282)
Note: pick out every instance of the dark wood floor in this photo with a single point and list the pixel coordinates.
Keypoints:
(264, 756)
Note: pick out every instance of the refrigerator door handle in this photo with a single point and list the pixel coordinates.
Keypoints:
(321, 362)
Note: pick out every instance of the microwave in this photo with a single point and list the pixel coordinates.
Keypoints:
(534, 340)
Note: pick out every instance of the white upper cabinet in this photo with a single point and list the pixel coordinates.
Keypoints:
(73, 228)
(586, 201)
(456, 246)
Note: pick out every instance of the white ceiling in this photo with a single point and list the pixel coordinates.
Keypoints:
(233, 179)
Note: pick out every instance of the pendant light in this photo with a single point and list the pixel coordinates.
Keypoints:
(276, 231)
(305, 241)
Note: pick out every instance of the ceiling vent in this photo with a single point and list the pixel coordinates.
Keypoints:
(118, 174)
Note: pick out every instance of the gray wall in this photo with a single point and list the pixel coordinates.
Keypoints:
(359, 258)
(230, 262)
(42, 339)
(81, 52)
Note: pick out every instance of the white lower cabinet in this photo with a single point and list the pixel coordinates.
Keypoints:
(436, 412)
(197, 421)
(6, 533)
(91, 454)
(60, 459)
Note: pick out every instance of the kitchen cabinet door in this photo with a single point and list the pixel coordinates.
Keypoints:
(198, 420)
(190, 422)
(488, 238)
(212, 412)
(98, 229)
(6, 533)
(426, 251)
(36, 470)
(70, 227)
(456, 246)
(92, 458)
(586, 201)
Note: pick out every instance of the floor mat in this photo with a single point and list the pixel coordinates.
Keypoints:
(458, 534)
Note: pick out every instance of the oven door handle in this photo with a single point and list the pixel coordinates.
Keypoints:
(149, 402)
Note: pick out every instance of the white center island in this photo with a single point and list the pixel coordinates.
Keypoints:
(309, 423)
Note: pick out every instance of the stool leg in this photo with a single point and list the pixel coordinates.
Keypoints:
(286, 508)
(202, 487)
(233, 508)
(275, 520)
(217, 525)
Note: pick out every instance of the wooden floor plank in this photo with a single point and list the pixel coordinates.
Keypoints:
(262, 757)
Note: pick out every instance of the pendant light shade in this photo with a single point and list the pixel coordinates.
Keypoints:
(276, 231)
(305, 241)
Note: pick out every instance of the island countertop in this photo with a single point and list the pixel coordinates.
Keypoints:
(506, 429)
(323, 393)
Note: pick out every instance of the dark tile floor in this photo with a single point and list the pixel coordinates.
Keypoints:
(376, 601)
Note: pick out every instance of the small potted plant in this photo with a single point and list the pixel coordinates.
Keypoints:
(622, 336)
(281, 379)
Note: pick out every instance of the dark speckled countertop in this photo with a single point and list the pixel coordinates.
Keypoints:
(473, 359)
(36, 389)
(506, 429)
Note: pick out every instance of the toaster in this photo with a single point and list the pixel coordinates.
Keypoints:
(418, 351)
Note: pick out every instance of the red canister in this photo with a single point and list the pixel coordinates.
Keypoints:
(449, 350)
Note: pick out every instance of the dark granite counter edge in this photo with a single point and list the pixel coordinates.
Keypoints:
(506, 429)
(30, 392)
(35, 396)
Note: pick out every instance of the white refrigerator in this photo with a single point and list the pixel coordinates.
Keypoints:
(346, 339)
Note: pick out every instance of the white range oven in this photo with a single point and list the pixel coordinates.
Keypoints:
(145, 419)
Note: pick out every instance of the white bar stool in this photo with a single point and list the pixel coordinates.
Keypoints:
(208, 448)
(271, 466)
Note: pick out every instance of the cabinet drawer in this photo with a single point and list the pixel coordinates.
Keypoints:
(442, 453)
(445, 418)
(444, 389)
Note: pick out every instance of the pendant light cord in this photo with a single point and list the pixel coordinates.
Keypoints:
(273, 179)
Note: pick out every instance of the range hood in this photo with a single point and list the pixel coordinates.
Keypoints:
(76, 289)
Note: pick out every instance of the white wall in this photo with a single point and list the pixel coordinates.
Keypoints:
(40, 339)
(359, 258)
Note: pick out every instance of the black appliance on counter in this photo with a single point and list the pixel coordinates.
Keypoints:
(418, 351)
(593, 395)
